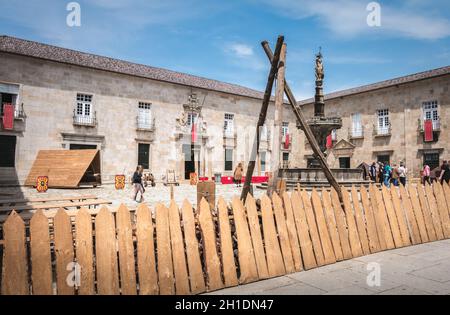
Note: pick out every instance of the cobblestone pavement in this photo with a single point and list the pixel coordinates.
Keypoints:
(152, 195)
(422, 269)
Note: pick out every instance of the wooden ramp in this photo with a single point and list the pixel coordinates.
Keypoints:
(65, 168)
(173, 250)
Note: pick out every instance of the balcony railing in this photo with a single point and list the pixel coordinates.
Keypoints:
(145, 124)
(19, 113)
(356, 132)
(384, 131)
(229, 133)
(436, 125)
(85, 120)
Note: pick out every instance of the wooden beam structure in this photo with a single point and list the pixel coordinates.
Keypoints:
(262, 116)
(309, 135)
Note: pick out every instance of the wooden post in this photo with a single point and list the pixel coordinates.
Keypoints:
(277, 136)
(262, 115)
(309, 135)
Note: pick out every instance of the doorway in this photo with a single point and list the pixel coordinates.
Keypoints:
(144, 155)
(344, 162)
(190, 161)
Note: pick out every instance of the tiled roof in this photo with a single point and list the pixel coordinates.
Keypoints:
(38, 50)
(384, 84)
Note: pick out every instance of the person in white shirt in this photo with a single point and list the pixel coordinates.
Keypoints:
(402, 171)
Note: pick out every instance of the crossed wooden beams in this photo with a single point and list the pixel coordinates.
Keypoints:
(274, 59)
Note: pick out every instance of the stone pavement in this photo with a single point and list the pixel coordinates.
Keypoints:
(152, 195)
(422, 269)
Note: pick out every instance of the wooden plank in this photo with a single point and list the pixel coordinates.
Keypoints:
(360, 222)
(325, 240)
(442, 208)
(178, 253)
(425, 227)
(247, 262)
(41, 265)
(255, 232)
(15, 266)
(331, 223)
(45, 206)
(414, 230)
(293, 238)
(341, 225)
(446, 189)
(438, 224)
(196, 278)
(430, 212)
(64, 252)
(164, 252)
(126, 252)
(353, 236)
(212, 262)
(309, 259)
(382, 224)
(401, 218)
(84, 252)
(392, 217)
(40, 200)
(106, 253)
(313, 230)
(146, 262)
(226, 245)
(283, 234)
(372, 233)
(275, 263)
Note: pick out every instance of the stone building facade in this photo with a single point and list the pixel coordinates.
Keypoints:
(138, 114)
(385, 122)
(134, 114)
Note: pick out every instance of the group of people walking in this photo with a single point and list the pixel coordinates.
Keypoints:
(388, 175)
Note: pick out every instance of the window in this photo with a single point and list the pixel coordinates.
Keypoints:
(144, 155)
(431, 159)
(430, 112)
(8, 95)
(344, 162)
(284, 129)
(384, 158)
(228, 126)
(84, 105)
(7, 151)
(228, 159)
(263, 135)
(144, 115)
(262, 158)
(76, 146)
(356, 130)
(7, 98)
(191, 119)
(333, 135)
(383, 122)
(285, 160)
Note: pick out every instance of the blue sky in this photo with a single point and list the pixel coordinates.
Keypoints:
(221, 39)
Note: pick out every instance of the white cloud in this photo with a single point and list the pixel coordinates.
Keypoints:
(347, 18)
(241, 50)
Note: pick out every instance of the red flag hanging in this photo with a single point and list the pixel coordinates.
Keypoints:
(8, 116)
(194, 133)
(287, 142)
(329, 141)
(428, 129)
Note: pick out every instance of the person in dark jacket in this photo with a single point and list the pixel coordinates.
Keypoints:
(445, 173)
(373, 172)
(137, 183)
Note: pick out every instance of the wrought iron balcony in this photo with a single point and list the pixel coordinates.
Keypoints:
(229, 133)
(145, 124)
(356, 132)
(19, 113)
(385, 131)
(85, 120)
(436, 125)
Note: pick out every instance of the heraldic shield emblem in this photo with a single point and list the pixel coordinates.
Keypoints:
(120, 182)
(42, 184)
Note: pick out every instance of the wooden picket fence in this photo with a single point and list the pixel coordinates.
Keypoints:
(185, 251)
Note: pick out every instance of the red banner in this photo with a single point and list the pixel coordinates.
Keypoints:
(287, 142)
(8, 116)
(428, 129)
(329, 142)
(194, 133)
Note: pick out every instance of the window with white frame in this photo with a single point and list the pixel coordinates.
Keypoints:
(383, 121)
(263, 160)
(84, 105)
(430, 112)
(356, 125)
(263, 134)
(228, 125)
(145, 115)
(284, 129)
(191, 119)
